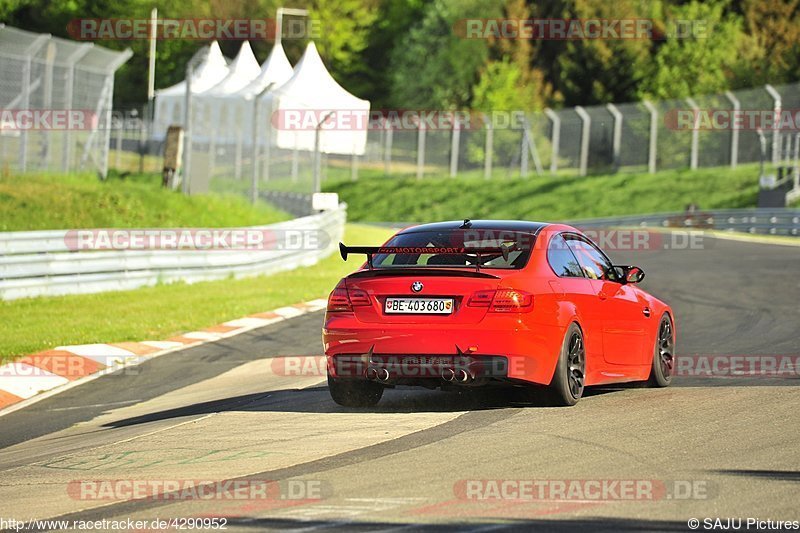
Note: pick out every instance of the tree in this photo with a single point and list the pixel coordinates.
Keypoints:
(433, 66)
(345, 29)
(598, 71)
(695, 65)
(773, 43)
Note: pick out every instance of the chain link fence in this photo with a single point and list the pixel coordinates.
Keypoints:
(629, 137)
(55, 103)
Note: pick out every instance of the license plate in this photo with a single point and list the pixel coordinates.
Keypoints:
(422, 306)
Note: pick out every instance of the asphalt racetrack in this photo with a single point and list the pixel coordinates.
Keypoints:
(705, 448)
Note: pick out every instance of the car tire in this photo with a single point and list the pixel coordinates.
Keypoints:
(355, 392)
(569, 378)
(663, 364)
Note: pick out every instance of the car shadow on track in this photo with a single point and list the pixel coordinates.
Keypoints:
(772, 475)
(400, 400)
(557, 526)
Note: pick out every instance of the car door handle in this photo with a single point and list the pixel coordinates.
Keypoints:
(646, 312)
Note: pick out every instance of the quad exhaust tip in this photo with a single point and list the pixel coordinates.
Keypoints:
(375, 373)
(462, 376)
(448, 374)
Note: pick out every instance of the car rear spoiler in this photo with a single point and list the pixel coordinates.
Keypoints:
(449, 250)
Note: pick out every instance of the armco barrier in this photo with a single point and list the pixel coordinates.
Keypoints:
(40, 263)
(757, 221)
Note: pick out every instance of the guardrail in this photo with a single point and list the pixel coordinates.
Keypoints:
(767, 221)
(42, 263)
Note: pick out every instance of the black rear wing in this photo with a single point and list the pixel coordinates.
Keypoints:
(369, 251)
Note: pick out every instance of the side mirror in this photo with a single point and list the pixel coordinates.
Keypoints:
(634, 274)
(617, 274)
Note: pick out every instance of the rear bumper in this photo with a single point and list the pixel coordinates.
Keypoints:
(499, 346)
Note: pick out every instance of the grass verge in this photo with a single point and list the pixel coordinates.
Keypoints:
(154, 313)
(548, 198)
(48, 201)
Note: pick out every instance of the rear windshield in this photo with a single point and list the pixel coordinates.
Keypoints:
(467, 238)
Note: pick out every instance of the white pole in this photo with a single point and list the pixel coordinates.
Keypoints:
(695, 135)
(776, 133)
(735, 131)
(586, 124)
(279, 20)
(651, 153)
(151, 71)
(555, 138)
(616, 143)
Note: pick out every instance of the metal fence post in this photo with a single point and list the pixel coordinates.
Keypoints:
(109, 94)
(265, 174)
(695, 135)
(387, 151)
(48, 100)
(586, 125)
(523, 153)
(734, 131)
(256, 134)
(796, 169)
(32, 50)
(776, 133)
(488, 150)
(23, 136)
(651, 154)
(616, 137)
(187, 132)
(237, 154)
(555, 138)
(147, 113)
(420, 149)
(267, 156)
(72, 61)
(118, 147)
(455, 140)
(212, 155)
(318, 153)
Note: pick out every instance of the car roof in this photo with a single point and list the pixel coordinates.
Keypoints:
(500, 225)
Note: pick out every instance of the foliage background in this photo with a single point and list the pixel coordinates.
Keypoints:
(405, 54)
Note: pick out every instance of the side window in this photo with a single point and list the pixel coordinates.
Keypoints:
(593, 262)
(562, 260)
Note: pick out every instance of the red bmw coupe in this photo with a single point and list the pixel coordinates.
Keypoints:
(484, 303)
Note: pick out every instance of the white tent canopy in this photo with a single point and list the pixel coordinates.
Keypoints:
(232, 113)
(169, 101)
(275, 71)
(311, 94)
(218, 110)
(241, 72)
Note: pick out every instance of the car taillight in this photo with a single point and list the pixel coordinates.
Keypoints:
(342, 299)
(481, 299)
(502, 300)
(506, 300)
(358, 297)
